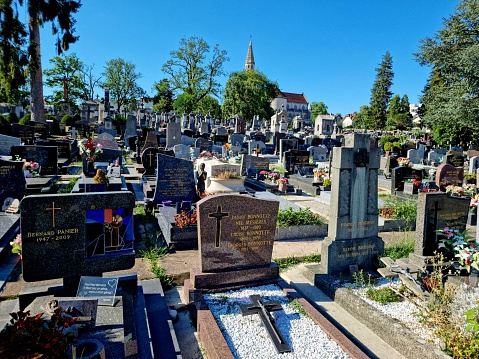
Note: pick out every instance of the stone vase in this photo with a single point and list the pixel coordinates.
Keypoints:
(472, 218)
(225, 185)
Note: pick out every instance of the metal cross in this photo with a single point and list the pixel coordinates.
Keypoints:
(219, 216)
(257, 150)
(52, 208)
(264, 309)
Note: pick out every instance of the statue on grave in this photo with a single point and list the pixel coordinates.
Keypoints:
(200, 180)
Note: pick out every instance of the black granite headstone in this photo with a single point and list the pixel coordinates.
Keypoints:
(402, 173)
(295, 158)
(45, 156)
(68, 236)
(203, 144)
(12, 180)
(250, 162)
(25, 133)
(149, 160)
(41, 129)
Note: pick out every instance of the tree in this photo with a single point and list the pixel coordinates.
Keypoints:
(398, 113)
(14, 59)
(67, 77)
(362, 118)
(121, 78)
(59, 13)
(381, 94)
(90, 82)
(210, 105)
(192, 72)
(451, 95)
(249, 93)
(318, 108)
(163, 100)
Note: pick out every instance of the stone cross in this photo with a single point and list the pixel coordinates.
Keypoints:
(264, 309)
(219, 216)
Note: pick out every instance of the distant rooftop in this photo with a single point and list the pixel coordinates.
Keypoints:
(294, 97)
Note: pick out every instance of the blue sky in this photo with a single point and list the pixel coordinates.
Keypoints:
(327, 50)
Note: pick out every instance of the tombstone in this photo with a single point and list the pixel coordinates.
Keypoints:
(286, 145)
(173, 134)
(235, 240)
(175, 180)
(150, 141)
(472, 153)
(236, 139)
(240, 125)
(422, 147)
(182, 151)
(258, 163)
(99, 239)
(40, 128)
(45, 156)
(434, 156)
(436, 211)
(473, 164)
(203, 144)
(318, 153)
(400, 174)
(12, 180)
(130, 130)
(353, 214)
(254, 146)
(415, 156)
(6, 143)
(204, 128)
(107, 141)
(149, 158)
(234, 150)
(455, 158)
(25, 133)
(329, 143)
(316, 141)
(449, 175)
(391, 162)
(293, 158)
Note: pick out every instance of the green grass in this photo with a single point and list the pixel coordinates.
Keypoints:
(154, 254)
(383, 295)
(296, 306)
(284, 264)
(399, 250)
(404, 208)
(288, 217)
(140, 214)
(312, 258)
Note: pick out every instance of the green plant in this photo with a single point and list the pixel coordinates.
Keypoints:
(312, 258)
(154, 254)
(286, 263)
(29, 336)
(288, 217)
(387, 146)
(68, 120)
(400, 208)
(383, 295)
(69, 187)
(296, 306)
(326, 182)
(399, 250)
(25, 120)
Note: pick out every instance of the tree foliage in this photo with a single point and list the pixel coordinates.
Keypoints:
(121, 78)
(163, 100)
(318, 108)
(381, 94)
(451, 95)
(249, 93)
(194, 71)
(398, 115)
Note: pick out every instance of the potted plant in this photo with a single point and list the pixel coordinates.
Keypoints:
(459, 247)
(283, 185)
(470, 177)
(326, 185)
(472, 215)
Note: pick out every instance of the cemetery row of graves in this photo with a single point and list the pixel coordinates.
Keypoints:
(218, 188)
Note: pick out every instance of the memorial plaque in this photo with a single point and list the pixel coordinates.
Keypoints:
(249, 161)
(103, 288)
(449, 175)
(235, 231)
(83, 309)
(45, 156)
(40, 128)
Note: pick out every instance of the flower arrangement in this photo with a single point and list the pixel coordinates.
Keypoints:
(91, 150)
(30, 168)
(185, 219)
(273, 175)
(473, 203)
(227, 146)
(404, 162)
(117, 220)
(466, 189)
(228, 175)
(17, 245)
(282, 180)
(461, 245)
(469, 189)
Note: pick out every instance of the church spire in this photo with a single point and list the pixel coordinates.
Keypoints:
(249, 63)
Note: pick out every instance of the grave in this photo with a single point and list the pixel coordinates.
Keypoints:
(12, 180)
(6, 143)
(295, 158)
(415, 156)
(286, 145)
(173, 134)
(473, 164)
(449, 175)
(400, 174)
(253, 162)
(435, 157)
(203, 144)
(353, 215)
(455, 158)
(149, 160)
(391, 162)
(107, 141)
(236, 139)
(182, 151)
(318, 153)
(25, 133)
(45, 156)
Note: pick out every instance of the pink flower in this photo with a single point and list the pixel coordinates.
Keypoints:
(99, 146)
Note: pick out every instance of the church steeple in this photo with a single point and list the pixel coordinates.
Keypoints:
(249, 63)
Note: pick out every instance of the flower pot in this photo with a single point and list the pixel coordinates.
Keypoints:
(472, 218)
(87, 349)
(90, 169)
(283, 187)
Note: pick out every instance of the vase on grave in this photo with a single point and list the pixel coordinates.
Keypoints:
(410, 188)
(283, 187)
(472, 218)
(90, 169)
(87, 349)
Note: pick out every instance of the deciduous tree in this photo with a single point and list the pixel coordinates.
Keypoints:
(318, 108)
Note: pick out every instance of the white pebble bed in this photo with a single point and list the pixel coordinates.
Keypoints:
(407, 312)
(248, 338)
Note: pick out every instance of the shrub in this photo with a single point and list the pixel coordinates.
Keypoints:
(383, 295)
(68, 120)
(387, 146)
(399, 250)
(400, 208)
(5, 126)
(12, 117)
(25, 120)
(288, 217)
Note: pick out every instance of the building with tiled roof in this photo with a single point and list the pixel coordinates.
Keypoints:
(296, 104)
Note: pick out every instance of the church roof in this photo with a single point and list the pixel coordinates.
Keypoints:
(249, 63)
(294, 97)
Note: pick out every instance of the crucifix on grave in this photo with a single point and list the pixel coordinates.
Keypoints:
(219, 216)
(257, 150)
(53, 208)
(263, 309)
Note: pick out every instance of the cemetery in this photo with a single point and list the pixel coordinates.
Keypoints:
(86, 212)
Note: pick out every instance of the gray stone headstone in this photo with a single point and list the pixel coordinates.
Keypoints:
(473, 164)
(415, 156)
(234, 150)
(319, 154)
(175, 180)
(45, 156)
(434, 156)
(221, 131)
(455, 158)
(6, 143)
(12, 180)
(235, 231)
(110, 131)
(107, 141)
(194, 153)
(237, 139)
(182, 151)
(252, 147)
(353, 215)
(130, 128)
(173, 134)
(70, 235)
(204, 127)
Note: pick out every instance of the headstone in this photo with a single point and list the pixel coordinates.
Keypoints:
(436, 211)
(6, 143)
(221, 131)
(295, 158)
(234, 150)
(235, 231)
(254, 146)
(173, 134)
(175, 180)
(449, 175)
(237, 139)
(391, 162)
(435, 157)
(130, 128)
(12, 180)
(40, 128)
(415, 156)
(318, 153)
(400, 174)
(25, 133)
(93, 236)
(107, 141)
(473, 164)
(149, 158)
(278, 136)
(150, 141)
(249, 161)
(286, 145)
(182, 151)
(64, 147)
(455, 158)
(353, 215)
(45, 156)
(203, 144)
(330, 143)
(103, 288)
